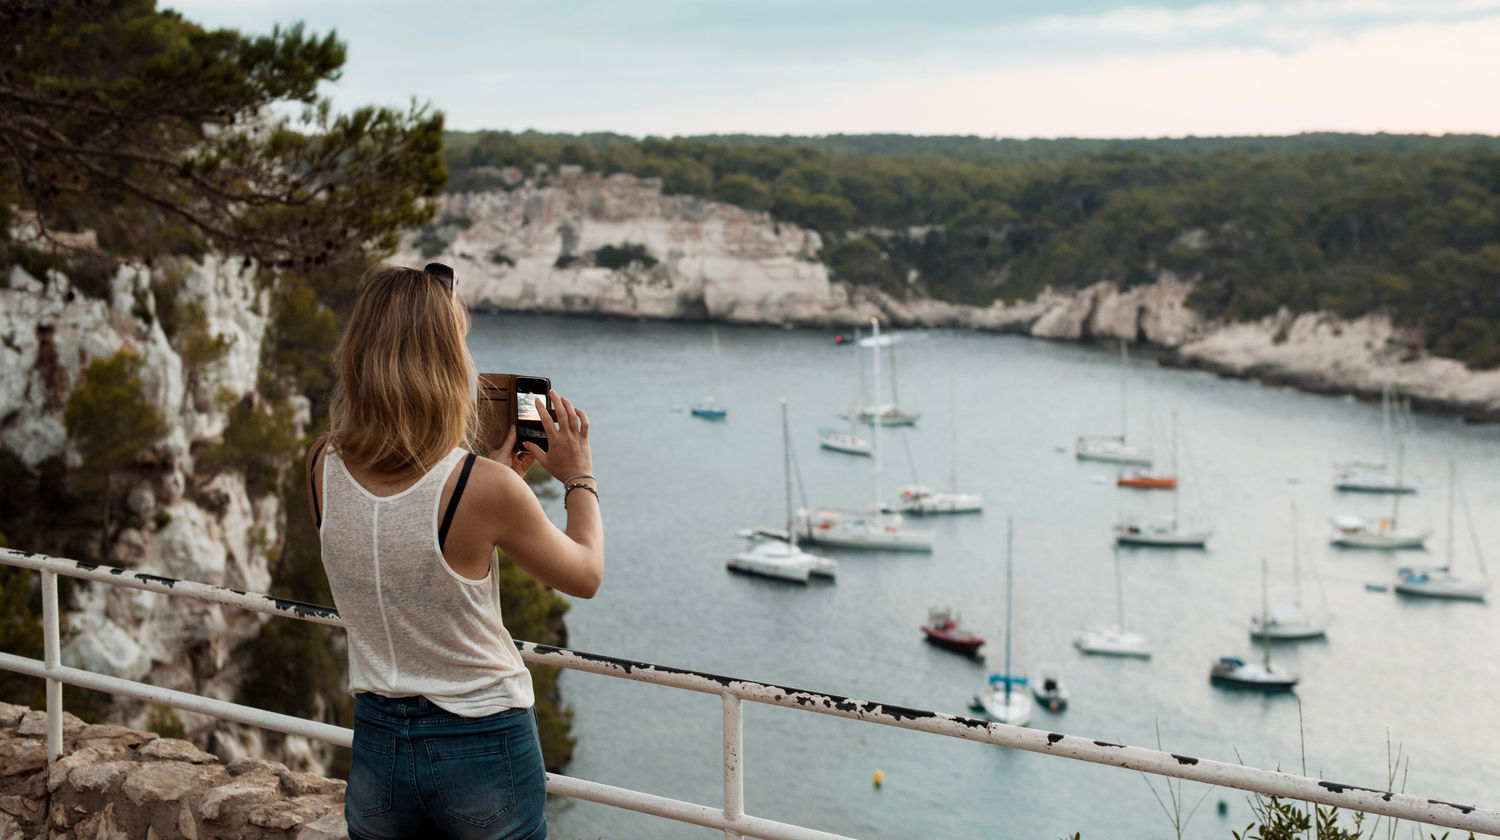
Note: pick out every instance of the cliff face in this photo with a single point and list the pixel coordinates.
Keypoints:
(529, 249)
(194, 525)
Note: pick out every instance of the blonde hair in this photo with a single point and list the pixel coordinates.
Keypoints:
(402, 398)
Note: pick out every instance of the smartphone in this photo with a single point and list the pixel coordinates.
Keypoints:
(529, 425)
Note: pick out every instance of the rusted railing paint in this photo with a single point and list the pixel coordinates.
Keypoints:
(731, 818)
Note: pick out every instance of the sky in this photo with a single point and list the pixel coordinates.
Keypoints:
(1067, 68)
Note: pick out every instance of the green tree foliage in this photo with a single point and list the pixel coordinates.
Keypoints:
(110, 422)
(130, 121)
(623, 256)
(1354, 224)
(255, 444)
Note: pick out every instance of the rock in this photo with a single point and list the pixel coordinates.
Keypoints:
(331, 827)
(101, 826)
(175, 749)
(19, 757)
(287, 813)
(103, 647)
(308, 784)
(35, 723)
(250, 789)
(10, 714)
(169, 781)
(98, 778)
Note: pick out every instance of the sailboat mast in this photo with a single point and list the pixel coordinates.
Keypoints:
(1265, 613)
(895, 400)
(859, 377)
(1124, 414)
(875, 418)
(952, 435)
(1385, 422)
(1176, 472)
(1400, 463)
(1296, 559)
(1452, 482)
(1009, 545)
(786, 472)
(1119, 591)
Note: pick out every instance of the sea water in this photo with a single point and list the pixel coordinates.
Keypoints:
(1394, 677)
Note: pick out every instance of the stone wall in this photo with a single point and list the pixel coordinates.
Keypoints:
(114, 783)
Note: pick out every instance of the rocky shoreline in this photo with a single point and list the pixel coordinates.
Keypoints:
(538, 247)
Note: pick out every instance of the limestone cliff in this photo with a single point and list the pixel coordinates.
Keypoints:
(199, 525)
(530, 248)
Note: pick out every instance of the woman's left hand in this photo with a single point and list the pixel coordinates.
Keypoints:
(520, 462)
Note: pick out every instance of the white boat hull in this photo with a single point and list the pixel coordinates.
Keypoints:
(1110, 641)
(838, 530)
(1252, 675)
(1014, 710)
(852, 446)
(1288, 631)
(1110, 450)
(1170, 537)
(925, 502)
(1386, 539)
(777, 559)
(1437, 584)
(747, 563)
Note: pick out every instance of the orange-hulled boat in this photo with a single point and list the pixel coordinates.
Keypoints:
(1146, 481)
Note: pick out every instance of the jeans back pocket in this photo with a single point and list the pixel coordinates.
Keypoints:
(372, 772)
(473, 776)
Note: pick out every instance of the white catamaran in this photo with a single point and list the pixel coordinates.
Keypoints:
(768, 555)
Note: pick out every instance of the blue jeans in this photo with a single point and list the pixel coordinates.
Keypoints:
(422, 772)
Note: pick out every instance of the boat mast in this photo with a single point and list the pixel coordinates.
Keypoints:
(1119, 591)
(859, 381)
(875, 417)
(1009, 540)
(786, 472)
(952, 435)
(1124, 366)
(1385, 424)
(895, 400)
(1448, 559)
(1176, 472)
(1265, 611)
(1400, 462)
(1296, 562)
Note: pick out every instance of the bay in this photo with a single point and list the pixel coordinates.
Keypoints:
(1393, 675)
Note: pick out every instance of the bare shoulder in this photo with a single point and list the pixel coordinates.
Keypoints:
(496, 480)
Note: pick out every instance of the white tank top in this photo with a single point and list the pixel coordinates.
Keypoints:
(414, 625)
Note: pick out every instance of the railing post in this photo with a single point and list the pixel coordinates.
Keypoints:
(734, 779)
(50, 658)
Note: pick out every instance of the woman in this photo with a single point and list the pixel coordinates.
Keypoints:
(445, 738)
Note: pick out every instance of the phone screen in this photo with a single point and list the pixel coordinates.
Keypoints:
(528, 421)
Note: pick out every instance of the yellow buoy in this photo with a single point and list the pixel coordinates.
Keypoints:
(879, 777)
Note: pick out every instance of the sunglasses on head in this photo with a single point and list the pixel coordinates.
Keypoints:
(441, 273)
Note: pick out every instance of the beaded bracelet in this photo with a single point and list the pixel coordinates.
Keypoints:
(579, 486)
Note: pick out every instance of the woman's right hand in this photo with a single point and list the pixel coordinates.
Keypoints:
(567, 453)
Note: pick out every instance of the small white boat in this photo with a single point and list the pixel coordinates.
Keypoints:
(1367, 477)
(1358, 532)
(1049, 689)
(1006, 700)
(1114, 640)
(859, 529)
(1438, 583)
(1232, 670)
(779, 559)
(1235, 671)
(1288, 621)
(845, 442)
(1111, 449)
(1164, 532)
(775, 554)
(919, 499)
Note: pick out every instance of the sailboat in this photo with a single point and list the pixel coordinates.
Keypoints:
(1288, 621)
(849, 442)
(1236, 671)
(888, 414)
(1114, 640)
(872, 529)
(708, 408)
(920, 499)
(769, 556)
(1374, 476)
(1357, 532)
(1146, 478)
(1441, 582)
(1113, 448)
(1005, 697)
(1158, 532)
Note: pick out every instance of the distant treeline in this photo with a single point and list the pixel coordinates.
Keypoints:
(1354, 224)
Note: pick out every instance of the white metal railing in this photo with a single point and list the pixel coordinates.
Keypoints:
(731, 817)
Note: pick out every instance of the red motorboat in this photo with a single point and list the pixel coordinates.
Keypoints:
(943, 630)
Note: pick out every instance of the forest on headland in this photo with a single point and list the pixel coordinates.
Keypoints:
(1406, 225)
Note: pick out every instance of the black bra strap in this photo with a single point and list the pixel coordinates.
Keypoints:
(458, 490)
(312, 487)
